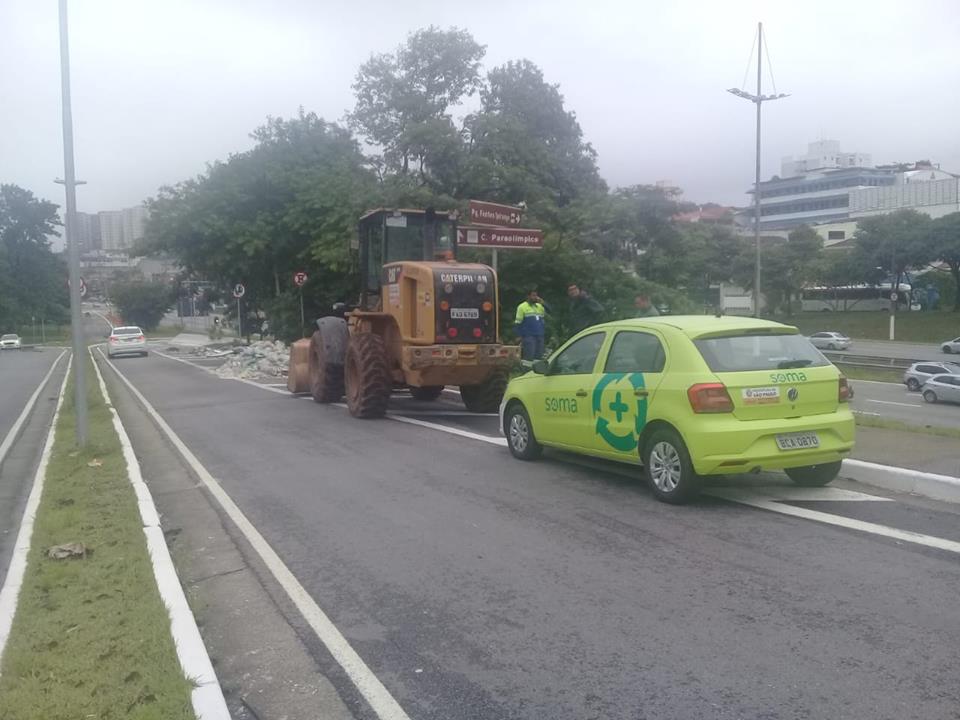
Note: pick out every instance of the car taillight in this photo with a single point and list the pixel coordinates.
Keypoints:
(487, 306)
(452, 332)
(444, 305)
(477, 332)
(844, 391)
(140, 337)
(710, 398)
(112, 339)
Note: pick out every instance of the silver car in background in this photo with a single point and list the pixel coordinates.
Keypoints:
(10, 341)
(951, 346)
(942, 388)
(830, 341)
(918, 373)
(128, 340)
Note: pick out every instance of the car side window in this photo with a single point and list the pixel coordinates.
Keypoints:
(635, 352)
(819, 335)
(929, 369)
(580, 357)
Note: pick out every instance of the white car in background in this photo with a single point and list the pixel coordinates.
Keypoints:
(127, 340)
(951, 346)
(830, 341)
(10, 341)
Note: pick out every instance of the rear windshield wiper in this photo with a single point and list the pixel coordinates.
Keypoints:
(785, 364)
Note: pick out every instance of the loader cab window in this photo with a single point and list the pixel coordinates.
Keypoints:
(409, 243)
(374, 259)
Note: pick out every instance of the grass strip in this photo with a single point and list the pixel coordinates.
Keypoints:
(91, 636)
(915, 327)
(854, 372)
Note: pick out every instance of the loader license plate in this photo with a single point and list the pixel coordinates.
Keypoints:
(464, 313)
(798, 441)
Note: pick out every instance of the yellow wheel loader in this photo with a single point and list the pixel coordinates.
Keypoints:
(424, 321)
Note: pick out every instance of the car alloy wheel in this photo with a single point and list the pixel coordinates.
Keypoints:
(665, 468)
(913, 384)
(519, 433)
(930, 396)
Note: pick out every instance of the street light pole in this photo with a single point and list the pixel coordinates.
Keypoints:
(757, 99)
(70, 186)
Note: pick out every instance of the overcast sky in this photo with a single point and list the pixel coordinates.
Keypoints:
(161, 87)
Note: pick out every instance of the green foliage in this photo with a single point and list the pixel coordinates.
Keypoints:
(893, 244)
(945, 247)
(787, 266)
(143, 303)
(32, 278)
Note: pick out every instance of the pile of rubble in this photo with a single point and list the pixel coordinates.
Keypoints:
(257, 360)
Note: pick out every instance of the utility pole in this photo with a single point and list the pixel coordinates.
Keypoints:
(70, 186)
(757, 99)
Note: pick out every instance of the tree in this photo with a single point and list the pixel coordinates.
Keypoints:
(32, 278)
(788, 265)
(403, 97)
(945, 247)
(143, 303)
(894, 244)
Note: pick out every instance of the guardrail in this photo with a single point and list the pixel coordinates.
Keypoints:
(869, 361)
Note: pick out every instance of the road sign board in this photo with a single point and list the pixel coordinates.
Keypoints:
(483, 237)
(83, 286)
(239, 290)
(486, 213)
(299, 278)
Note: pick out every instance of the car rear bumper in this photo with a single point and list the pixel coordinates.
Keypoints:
(734, 446)
(126, 349)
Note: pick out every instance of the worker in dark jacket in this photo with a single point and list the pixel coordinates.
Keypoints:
(584, 310)
(530, 324)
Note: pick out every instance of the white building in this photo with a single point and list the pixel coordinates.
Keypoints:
(822, 155)
(121, 229)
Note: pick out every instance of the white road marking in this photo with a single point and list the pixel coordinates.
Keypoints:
(443, 413)
(878, 382)
(207, 695)
(851, 524)
(27, 409)
(891, 402)
(21, 547)
(366, 682)
(788, 493)
(502, 442)
(864, 412)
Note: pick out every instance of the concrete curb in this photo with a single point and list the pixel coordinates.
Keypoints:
(207, 695)
(891, 477)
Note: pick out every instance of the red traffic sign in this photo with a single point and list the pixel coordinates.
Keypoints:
(239, 290)
(487, 213)
(83, 286)
(482, 237)
(299, 278)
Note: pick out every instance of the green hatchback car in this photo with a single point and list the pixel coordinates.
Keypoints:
(686, 396)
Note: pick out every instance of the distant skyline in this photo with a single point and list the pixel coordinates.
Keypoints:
(161, 89)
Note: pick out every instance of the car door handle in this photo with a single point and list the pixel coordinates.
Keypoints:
(581, 393)
(641, 392)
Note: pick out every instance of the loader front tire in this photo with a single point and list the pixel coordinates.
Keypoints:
(327, 349)
(367, 375)
(485, 397)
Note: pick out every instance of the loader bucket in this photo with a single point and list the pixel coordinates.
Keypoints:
(298, 376)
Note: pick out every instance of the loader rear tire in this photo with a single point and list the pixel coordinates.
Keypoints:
(426, 393)
(328, 347)
(485, 397)
(367, 375)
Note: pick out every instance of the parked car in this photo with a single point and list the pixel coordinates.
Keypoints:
(942, 388)
(951, 346)
(686, 397)
(128, 340)
(830, 341)
(10, 341)
(918, 373)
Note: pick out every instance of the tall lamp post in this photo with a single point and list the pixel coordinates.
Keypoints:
(758, 100)
(70, 186)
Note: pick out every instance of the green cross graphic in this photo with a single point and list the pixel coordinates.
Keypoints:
(619, 407)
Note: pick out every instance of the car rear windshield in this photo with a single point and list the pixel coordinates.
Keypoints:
(8, 337)
(127, 331)
(733, 353)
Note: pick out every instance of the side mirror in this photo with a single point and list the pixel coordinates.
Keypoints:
(540, 367)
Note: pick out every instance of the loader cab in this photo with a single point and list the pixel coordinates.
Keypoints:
(391, 235)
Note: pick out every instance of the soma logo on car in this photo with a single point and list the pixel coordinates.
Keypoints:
(564, 406)
(788, 377)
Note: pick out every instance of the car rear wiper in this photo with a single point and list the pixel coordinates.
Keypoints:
(785, 364)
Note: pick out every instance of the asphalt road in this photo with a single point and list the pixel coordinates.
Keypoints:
(476, 586)
(895, 402)
(20, 374)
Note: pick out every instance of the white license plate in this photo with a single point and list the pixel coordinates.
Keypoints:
(798, 441)
(464, 313)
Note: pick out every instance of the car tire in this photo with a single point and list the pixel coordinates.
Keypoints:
(831, 346)
(144, 353)
(814, 475)
(947, 350)
(930, 396)
(668, 468)
(519, 431)
(913, 385)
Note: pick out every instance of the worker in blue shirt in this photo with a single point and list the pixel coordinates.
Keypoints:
(530, 325)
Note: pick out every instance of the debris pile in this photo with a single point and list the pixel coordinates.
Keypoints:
(259, 359)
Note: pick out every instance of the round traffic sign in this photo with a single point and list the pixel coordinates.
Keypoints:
(239, 290)
(893, 296)
(299, 278)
